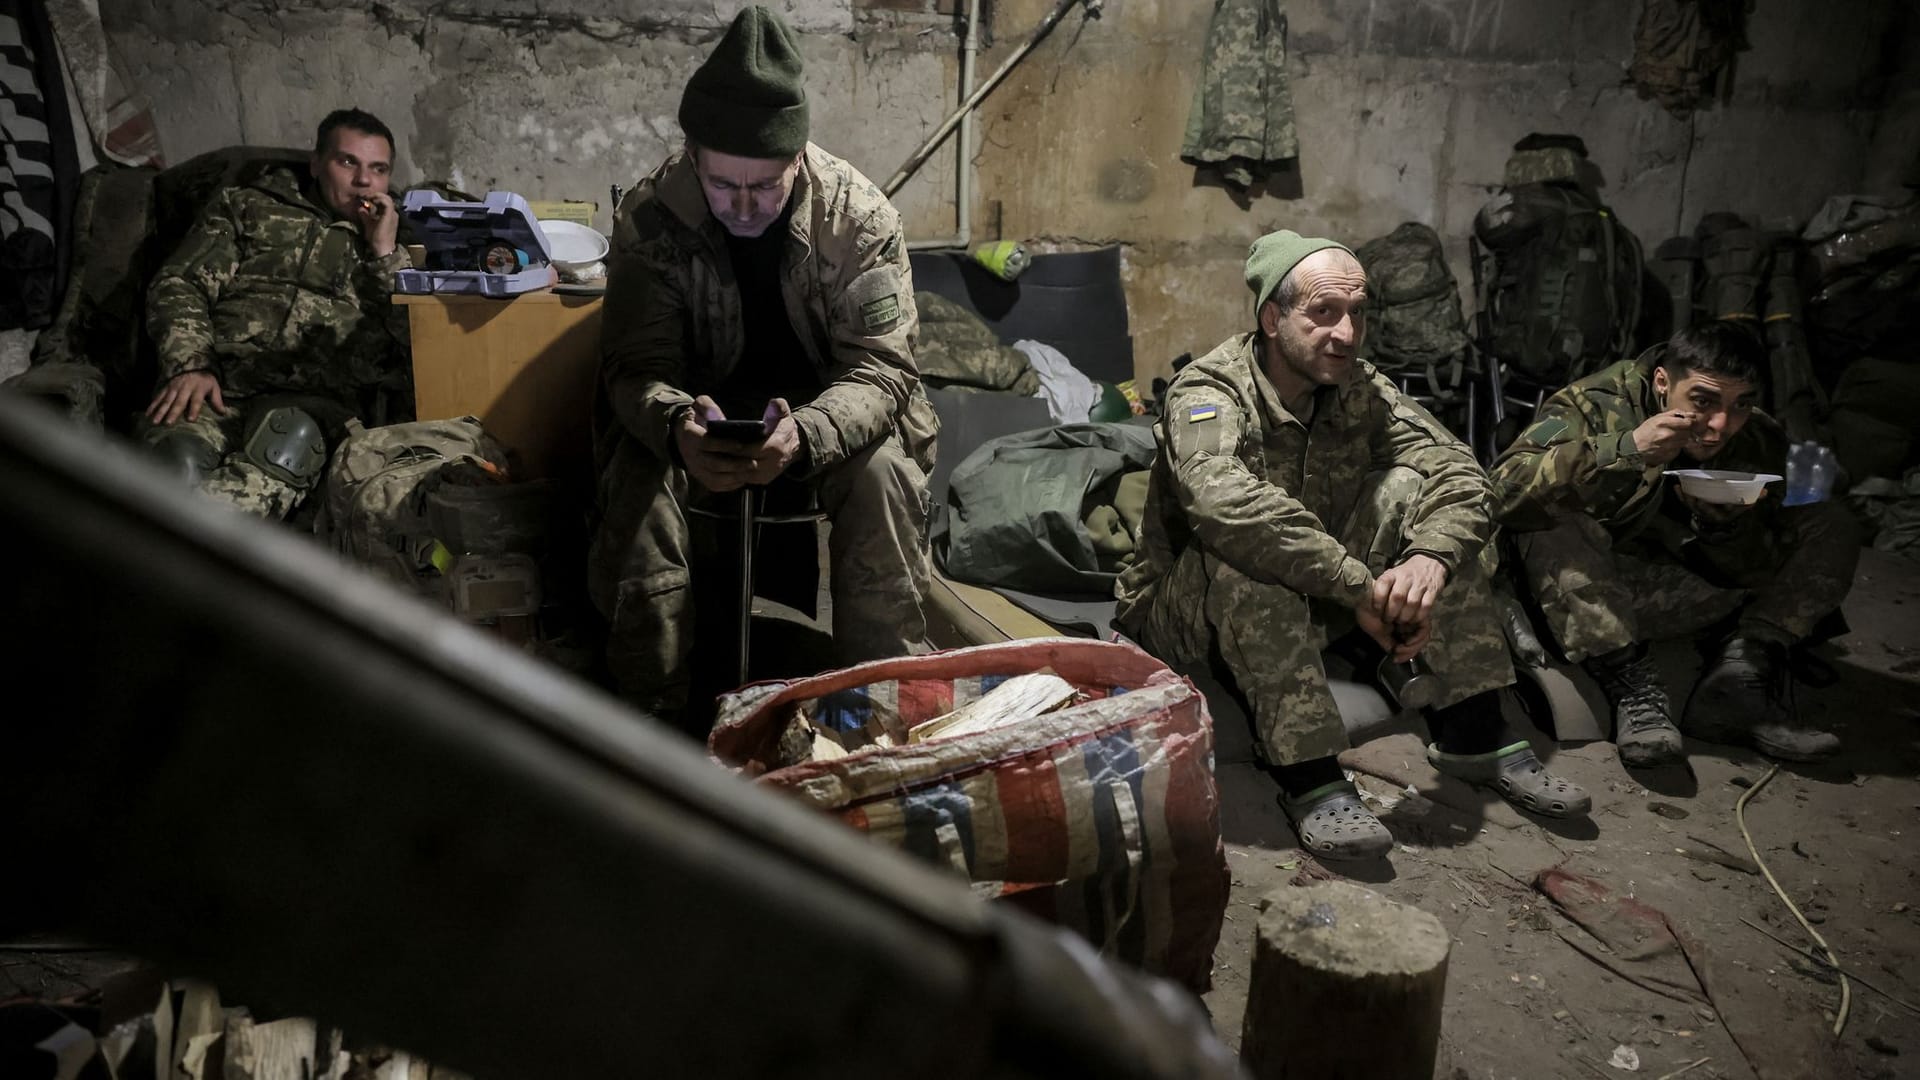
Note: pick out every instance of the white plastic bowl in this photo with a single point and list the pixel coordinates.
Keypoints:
(573, 246)
(1722, 486)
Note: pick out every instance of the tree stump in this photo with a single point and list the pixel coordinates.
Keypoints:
(1345, 983)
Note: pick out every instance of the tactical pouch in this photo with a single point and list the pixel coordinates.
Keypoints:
(491, 519)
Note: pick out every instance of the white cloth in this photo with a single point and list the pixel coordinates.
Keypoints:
(1070, 394)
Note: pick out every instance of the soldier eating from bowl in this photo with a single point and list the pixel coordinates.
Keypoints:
(1616, 555)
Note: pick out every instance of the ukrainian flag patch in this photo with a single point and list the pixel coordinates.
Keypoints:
(1201, 412)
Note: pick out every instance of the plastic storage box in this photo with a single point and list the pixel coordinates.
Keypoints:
(491, 248)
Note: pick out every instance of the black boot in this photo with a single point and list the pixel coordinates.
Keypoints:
(1643, 731)
(1745, 698)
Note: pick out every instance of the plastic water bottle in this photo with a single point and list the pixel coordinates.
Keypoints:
(1810, 472)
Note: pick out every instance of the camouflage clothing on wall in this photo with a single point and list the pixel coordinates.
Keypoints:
(1242, 114)
(675, 327)
(1264, 531)
(272, 294)
(1614, 556)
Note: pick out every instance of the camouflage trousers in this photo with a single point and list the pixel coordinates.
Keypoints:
(1598, 596)
(213, 443)
(639, 569)
(1269, 638)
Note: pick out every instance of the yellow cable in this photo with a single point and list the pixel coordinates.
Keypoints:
(1740, 816)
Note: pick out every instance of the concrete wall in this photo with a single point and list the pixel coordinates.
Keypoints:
(1406, 110)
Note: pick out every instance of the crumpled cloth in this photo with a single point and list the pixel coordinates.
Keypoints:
(1070, 394)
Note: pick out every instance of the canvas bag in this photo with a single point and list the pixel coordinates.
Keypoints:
(374, 499)
(1102, 817)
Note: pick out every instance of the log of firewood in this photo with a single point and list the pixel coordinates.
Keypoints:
(1345, 983)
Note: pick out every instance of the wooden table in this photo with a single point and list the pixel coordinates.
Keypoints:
(524, 365)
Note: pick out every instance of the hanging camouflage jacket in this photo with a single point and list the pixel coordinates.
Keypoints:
(1263, 490)
(1241, 120)
(271, 292)
(1579, 455)
(674, 317)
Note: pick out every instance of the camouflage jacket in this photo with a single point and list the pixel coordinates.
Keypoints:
(1240, 474)
(674, 315)
(1579, 455)
(271, 292)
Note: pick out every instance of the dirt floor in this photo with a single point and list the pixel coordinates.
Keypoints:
(1523, 1000)
(1527, 995)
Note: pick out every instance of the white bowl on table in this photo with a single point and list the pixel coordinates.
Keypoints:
(572, 246)
(1724, 486)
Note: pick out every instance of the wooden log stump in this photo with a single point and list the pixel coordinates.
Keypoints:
(1345, 983)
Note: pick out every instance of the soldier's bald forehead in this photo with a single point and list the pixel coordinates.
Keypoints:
(1324, 270)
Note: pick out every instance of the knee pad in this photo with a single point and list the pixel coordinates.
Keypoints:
(185, 455)
(288, 444)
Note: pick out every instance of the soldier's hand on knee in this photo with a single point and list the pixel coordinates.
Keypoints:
(1410, 638)
(1406, 593)
(184, 394)
(1374, 627)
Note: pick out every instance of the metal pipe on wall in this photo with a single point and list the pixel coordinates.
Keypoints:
(965, 111)
(270, 770)
(963, 151)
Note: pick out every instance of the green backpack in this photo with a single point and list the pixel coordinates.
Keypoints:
(374, 502)
(1416, 329)
(1559, 275)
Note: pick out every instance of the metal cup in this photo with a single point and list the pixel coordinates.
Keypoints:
(1411, 685)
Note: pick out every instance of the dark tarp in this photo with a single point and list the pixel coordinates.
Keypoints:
(1016, 506)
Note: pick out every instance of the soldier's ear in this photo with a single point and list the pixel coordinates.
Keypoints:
(1270, 316)
(1661, 383)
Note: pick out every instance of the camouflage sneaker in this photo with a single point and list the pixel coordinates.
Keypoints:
(1745, 698)
(1643, 729)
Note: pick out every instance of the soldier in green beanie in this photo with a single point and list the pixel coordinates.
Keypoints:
(1300, 499)
(754, 276)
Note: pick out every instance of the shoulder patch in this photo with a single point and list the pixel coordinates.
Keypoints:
(1202, 412)
(1548, 431)
(874, 302)
(878, 314)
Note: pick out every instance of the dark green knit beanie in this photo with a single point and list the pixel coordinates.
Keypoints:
(747, 98)
(1273, 257)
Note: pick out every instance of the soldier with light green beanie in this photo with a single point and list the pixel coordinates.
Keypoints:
(755, 277)
(1299, 501)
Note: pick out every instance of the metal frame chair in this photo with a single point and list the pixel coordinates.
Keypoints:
(750, 520)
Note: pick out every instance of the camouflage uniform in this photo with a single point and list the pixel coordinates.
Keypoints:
(275, 296)
(1614, 557)
(1263, 533)
(674, 328)
(1242, 114)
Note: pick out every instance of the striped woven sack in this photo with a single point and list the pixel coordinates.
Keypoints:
(1102, 816)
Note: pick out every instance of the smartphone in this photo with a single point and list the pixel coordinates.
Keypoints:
(747, 431)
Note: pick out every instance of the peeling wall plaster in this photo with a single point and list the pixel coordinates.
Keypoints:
(1406, 110)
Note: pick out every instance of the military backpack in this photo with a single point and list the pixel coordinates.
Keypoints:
(1559, 276)
(376, 507)
(1415, 334)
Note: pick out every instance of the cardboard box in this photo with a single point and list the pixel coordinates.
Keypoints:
(578, 211)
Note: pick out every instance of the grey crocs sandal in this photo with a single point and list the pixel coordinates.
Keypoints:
(1517, 775)
(1334, 824)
